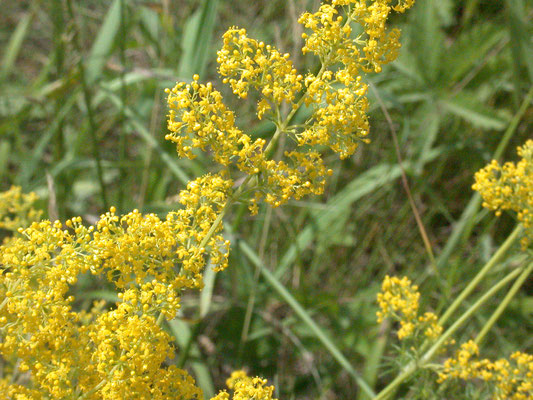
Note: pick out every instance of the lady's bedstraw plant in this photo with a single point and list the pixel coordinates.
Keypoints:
(507, 187)
(52, 351)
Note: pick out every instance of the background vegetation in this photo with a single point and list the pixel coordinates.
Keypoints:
(82, 123)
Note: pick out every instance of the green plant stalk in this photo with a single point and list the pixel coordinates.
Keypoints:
(504, 303)
(184, 352)
(59, 135)
(413, 366)
(90, 116)
(304, 316)
(102, 382)
(481, 274)
(123, 133)
(251, 299)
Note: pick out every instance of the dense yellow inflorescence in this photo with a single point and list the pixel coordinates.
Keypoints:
(245, 63)
(509, 379)
(120, 351)
(399, 300)
(510, 187)
(199, 119)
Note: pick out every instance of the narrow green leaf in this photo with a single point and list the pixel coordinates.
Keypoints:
(104, 43)
(521, 45)
(304, 316)
(35, 158)
(182, 335)
(469, 49)
(196, 42)
(144, 133)
(429, 43)
(13, 47)
(471, 110)
(151, 23)
(373, 361)
(207, 292)
(5, 149)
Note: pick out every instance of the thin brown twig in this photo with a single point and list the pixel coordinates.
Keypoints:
(405, 182)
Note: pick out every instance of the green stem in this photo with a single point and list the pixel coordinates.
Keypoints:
(481, 274)
(88, 104)
(457, 324)
(514, 124)
(184, 352)
(306, 318)
(413, 366)
(160, 319)
(281, 127)
(123, 139)
(102, 382)
(504, 303)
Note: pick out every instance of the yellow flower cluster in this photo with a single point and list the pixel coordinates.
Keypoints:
(399, 300)
(342, 123)
(121, 352)
(332, 37)
(199, 119)
(510, 187)
(246, 388)
(245, 63)
(17, 209)
(508, 379)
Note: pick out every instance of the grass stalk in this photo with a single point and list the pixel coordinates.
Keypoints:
(481, 274)
(306, 318)
(123, 134)
(88, 105)
(504, 303)
(405, 182)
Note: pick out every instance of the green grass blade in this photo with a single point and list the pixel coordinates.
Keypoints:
(304, 316)
(35, 158)
(13, 47)
(521, 46)
(182, 334)
(470, 109)
(196, 42)
(104, 42)
(207, 292)
(428, 46)
(144, 133)
(5, 149)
